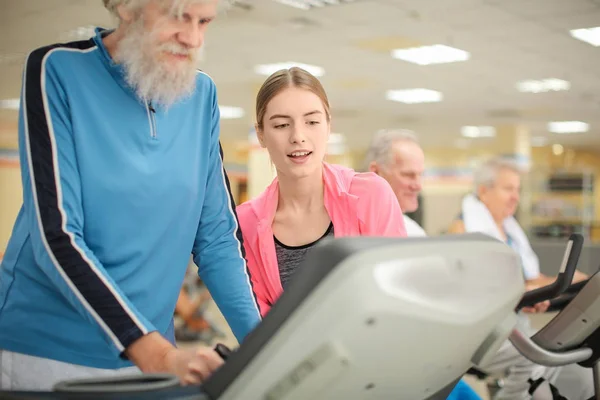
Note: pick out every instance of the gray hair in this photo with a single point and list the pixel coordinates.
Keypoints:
(487, 173)
(380, 149)
(179, 5)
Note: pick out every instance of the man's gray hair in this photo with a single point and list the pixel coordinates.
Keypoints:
(380, 149)
(111, 5)
(487, 173)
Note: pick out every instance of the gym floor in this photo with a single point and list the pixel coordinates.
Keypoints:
(537, 321)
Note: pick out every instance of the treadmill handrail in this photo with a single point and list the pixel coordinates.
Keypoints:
(576, 287)
(564, 278)
(539, 355)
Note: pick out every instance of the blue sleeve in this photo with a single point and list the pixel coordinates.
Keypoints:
(462, 391)
(53, 206)
(218, 249)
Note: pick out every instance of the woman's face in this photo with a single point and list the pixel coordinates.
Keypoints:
(295, 132)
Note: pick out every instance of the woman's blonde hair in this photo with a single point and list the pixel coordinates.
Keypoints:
(288, 78)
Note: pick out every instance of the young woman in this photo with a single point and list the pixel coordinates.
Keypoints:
(310, 198)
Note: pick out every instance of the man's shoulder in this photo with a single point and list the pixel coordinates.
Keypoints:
(204, 79)
(76, 47)
(58, 54)
(412, 227)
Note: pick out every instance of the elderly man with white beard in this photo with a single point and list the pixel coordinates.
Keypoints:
(123, 179)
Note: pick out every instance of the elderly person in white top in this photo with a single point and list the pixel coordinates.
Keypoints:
(490, 209)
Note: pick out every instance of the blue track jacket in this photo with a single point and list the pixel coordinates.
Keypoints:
(116, 196)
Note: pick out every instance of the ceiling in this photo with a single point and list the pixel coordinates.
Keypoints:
(509, 41)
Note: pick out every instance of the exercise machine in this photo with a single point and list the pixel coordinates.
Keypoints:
(365, 318)
(573, 335)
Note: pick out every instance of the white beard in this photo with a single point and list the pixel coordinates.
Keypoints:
(152, 78)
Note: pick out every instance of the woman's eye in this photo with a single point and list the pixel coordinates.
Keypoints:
(281, 126)
(313, 122)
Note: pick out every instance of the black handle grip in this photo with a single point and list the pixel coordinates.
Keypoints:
(560, 302)
(564, 278)
(563, 300)
(576, 287)
(223, 351)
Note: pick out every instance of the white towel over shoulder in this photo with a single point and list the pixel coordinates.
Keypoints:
(477, 218)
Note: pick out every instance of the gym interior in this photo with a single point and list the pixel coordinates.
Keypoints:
(471, 79)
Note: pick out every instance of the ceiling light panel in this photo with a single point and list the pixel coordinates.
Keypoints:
(566, 127)
(268, 69)
(478, 131)
(587, 35)
(428, 55)
(414, 96)
(543, 86)
(311, 4)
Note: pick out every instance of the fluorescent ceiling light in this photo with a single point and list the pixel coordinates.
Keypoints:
(478, 131)
(588, 35)
(568, 127)
(539, 141)
(413, 96)
(544, 85)
(308, 4)
(427, 55)
(228, 112)
(10, 104)
(268, 69)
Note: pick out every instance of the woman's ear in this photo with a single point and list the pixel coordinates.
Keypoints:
(260, 135)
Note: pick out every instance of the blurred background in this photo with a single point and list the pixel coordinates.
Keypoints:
(472, 78)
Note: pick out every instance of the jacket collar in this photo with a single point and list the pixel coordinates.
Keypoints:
(337, 181)
(341, 205)
(117, 70)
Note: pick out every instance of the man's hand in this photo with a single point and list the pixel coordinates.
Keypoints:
(580, 276)
(154, 354)
(193, 366)
(537, 308)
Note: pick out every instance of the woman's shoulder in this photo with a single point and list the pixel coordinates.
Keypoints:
(357, 182)
(369, 184)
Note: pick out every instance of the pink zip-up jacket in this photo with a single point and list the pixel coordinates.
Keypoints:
(359, 204)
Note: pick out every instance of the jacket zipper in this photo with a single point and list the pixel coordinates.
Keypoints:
(151, 111)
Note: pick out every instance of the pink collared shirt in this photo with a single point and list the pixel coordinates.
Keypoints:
(359, 204)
